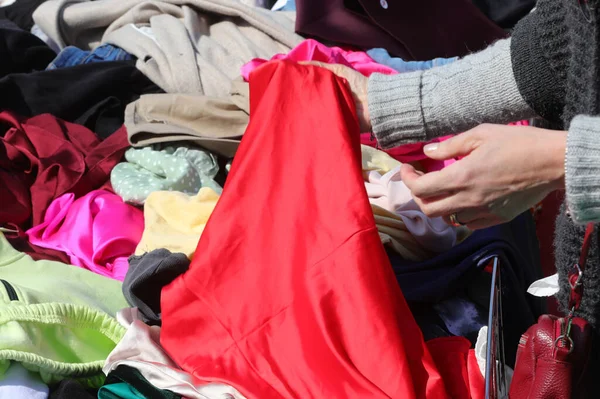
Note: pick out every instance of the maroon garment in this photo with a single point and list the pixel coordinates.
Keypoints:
(42, 158)
(414, 30)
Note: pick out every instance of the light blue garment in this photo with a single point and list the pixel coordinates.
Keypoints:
(284, 5)
(381, 56)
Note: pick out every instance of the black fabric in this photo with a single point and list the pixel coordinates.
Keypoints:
(413, 30)
(540, 57)
(21, 12)
(71, 389)
(135, 379)
(146, 277)
(20, 51)
(505, 13)
(93, 95)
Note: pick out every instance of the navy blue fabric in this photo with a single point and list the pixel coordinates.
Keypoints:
(442, 275)
(461, 270)
(72, 56)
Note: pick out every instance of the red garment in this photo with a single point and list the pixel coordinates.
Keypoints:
(43, 158)
(456, 362)
(294, 296)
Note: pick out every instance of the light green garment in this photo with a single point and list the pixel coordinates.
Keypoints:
(56, 319)
(152, 169)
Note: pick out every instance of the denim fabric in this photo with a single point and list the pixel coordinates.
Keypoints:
(381, 56)
(72, 56)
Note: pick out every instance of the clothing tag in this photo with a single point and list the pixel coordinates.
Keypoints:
(545, 287)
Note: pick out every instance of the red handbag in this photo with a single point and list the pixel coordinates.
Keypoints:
(553, 354)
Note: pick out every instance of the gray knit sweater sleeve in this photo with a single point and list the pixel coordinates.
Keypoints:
(418, 106)
(582, 164)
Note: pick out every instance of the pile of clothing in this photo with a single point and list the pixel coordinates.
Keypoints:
(190, 211)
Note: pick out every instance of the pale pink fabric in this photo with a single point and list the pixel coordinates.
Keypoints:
(97, 231)
(389, 192)
(312, 50)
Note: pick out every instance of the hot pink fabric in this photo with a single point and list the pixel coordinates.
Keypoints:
(97, 231)
(312, 50)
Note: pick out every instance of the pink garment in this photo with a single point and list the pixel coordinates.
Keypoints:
(97, 231)
(390, 193)
(312, 50)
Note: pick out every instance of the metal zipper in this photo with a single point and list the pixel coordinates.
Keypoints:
(12, 294)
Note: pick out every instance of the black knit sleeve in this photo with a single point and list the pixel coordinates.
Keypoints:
(540, 56)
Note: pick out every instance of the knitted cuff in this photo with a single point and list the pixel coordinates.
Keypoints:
(395, 108)
(419, 106)
(582, 164)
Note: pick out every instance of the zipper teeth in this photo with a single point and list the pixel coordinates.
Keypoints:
(12, 294)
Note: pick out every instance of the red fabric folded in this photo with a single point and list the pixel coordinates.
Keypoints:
(293, 295)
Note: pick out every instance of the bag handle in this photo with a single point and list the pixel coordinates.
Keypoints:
(564, 342)
(576, 274)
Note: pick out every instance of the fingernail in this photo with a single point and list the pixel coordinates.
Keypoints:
(430, 147)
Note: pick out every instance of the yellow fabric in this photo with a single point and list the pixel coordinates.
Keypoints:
(374, 159)
(175, 221)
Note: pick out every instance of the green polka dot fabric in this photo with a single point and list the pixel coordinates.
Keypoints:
(157, 168)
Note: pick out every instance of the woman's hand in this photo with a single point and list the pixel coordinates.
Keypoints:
(358, 85)
(505, 171)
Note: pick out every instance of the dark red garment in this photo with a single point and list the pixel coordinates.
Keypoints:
(43, 157)
(414, 30)
(293, 295)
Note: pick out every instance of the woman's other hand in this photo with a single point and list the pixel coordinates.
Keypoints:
(358, 85)
(505, 171)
